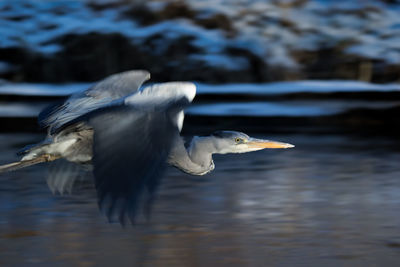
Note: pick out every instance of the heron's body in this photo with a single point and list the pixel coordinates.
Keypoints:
(73, 145)
(128, 135)
(76, 147)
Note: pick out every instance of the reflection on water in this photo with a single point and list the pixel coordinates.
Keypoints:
(331, 201)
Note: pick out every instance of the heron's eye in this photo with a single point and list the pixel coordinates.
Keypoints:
(238, 140)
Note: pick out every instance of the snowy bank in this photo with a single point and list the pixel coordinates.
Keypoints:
(208, 40)
(214, 100)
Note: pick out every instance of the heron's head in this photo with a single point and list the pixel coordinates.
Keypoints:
(237, 142)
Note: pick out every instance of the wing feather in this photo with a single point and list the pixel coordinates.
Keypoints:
(163, 94)
(113, 87)
(131, 142)
(130, 151)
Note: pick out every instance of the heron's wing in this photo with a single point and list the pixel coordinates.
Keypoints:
(64, 176)
(129, 153)
(112, 88)
(131, 145)
(131, 142)
(163, 94)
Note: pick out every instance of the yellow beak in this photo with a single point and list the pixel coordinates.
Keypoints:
(259, 143)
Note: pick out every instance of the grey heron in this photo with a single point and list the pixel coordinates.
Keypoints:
(128, 133)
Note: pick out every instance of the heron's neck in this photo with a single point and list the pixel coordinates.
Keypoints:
(197, 160)
(201, 150)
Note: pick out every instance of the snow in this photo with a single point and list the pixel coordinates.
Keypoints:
(313, 107)
(310, 26)
(224, 61)
(255, 109)
(27, 89)
(20, 109)
(284, 108)
(244, 89)
(297, 87)
(264, 109)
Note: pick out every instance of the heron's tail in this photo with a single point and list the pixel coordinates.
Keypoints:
(25, 163)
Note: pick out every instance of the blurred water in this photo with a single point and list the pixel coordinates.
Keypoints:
(331, 201)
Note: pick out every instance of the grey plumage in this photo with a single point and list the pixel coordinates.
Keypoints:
(118, 193)
(97, 96)
(116, 129)
(128, 135)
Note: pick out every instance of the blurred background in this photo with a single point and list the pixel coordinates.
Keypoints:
(321, 74)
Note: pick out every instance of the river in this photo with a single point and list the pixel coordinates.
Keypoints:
(333, 200)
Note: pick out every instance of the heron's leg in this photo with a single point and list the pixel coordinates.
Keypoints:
(28, 162)
(50, 157)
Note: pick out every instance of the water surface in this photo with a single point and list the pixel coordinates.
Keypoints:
(331, 201)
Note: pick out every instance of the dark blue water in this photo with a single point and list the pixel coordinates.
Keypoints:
(331, 201)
